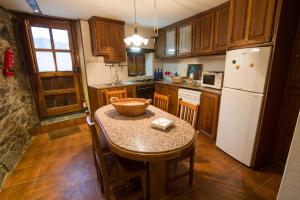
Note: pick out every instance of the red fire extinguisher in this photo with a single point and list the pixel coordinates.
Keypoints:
(8, 68)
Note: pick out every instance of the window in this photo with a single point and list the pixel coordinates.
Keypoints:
(52, 49)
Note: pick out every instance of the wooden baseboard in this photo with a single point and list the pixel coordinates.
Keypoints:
(56, 125)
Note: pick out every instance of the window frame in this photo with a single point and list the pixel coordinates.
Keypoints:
(53, 24)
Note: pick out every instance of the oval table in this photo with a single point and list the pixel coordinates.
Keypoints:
(133, 138)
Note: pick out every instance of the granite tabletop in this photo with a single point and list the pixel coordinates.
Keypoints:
(135, 134)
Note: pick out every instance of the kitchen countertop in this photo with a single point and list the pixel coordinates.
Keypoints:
(182, 85)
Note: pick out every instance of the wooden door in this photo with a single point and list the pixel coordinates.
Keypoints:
(209, 113)
(237, 33)
(54, 64)
(207, 33)
(197, 35)
(184, 39)
(171, 48)
(261, 15)
(160, 44)
(289, 110)
(131, 64)
(221, 29)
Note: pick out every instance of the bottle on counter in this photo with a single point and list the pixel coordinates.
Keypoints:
(155, 74)
(176, 74)
(161, 74)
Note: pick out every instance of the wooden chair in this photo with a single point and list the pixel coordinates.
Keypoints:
(161, 101)
(115, 93)
(119, 175)
(187, 112)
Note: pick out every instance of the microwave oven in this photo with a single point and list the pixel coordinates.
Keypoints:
(212, 79)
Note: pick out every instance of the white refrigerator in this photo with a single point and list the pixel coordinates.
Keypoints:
(243, 93)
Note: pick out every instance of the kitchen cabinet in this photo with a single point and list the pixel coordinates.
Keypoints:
(136, 64)
(172, 91)
(97, 96)
(209, 114)
(221, 29)
(203, 34)
(184, 39)
(160, 47)
(250, 22)
(107, 39)
(171, 42)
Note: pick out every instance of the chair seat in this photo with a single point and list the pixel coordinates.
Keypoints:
(122, 168)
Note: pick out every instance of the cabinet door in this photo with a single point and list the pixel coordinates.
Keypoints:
(131, 64)
(173, 99)
(197, 27)
(160, 44)
(140, 64)
(116, 43)
(261, 15)
(209, 113)
(221, 29)
(207, 33)
(238, 22)
(131, 91)
(99, 37)
(185, 39)
(171, 42)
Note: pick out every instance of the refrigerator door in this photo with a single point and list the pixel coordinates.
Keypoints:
(238, 122)
(247, 69)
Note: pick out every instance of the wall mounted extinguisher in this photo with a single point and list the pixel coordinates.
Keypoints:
(8, 68)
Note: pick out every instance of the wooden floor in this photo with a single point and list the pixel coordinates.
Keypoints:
(63, 169)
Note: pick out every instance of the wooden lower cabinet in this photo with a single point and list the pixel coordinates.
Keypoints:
(172, 91)
(98, 96)
(209, 114)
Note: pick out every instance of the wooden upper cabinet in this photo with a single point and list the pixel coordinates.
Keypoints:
(203, 34)
(184, 33)
(197, 34)
(116, 43)
(238, 22)
(171, 42)
(107, 39)
(261, 14)
(160, 44)
(250, 22)
(221, 29)
(136, 64)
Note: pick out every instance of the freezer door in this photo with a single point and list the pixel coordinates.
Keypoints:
(247, 69)
(238, 122)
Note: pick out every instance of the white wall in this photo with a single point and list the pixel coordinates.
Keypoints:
(290, 184)
(96, 70)
(210, 63)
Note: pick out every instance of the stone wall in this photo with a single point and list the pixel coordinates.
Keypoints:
(17, 109)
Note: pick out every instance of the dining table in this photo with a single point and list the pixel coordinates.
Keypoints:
(133, 138)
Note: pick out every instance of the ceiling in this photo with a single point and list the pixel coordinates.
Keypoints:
(169, 11)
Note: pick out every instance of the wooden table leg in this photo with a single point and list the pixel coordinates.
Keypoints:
(157, 172)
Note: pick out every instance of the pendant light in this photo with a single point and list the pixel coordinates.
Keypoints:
(135, 40)
(155, 35)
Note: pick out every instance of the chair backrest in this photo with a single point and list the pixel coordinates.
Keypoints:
(115, 93)
(97, 147)
(161, 101)
(187, 112)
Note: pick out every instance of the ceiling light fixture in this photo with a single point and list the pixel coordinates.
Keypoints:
(135, 39)
(155, 35)
(34, 6)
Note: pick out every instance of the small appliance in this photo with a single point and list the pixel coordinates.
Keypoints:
(212, 79)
